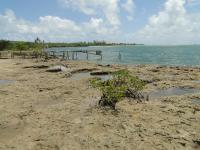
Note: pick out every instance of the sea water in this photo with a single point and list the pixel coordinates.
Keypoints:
(140, 54)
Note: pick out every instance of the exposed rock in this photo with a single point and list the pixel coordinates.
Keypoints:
(100, 73)
(38, 66)
(197, 142)
(57, 69)
(83, 70)
(108, 65)
(155, 70)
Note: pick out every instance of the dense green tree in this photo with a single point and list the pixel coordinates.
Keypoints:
(3, 45)
(21, 46)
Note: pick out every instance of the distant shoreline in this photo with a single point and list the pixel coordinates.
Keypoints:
(39, 44)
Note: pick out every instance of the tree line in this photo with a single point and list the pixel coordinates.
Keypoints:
(38, 44)
(18, 45)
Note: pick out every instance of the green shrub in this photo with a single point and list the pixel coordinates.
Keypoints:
(122, 85)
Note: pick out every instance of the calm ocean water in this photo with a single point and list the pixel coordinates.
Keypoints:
(162, 55)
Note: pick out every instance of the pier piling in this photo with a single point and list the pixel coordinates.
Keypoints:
(87, 55)
(63, 55)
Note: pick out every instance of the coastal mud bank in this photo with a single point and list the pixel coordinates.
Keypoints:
(43, 110)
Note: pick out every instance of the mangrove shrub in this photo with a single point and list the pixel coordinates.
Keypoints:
(122, 85)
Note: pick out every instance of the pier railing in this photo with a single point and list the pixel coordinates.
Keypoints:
(67, 55)
(73, 55)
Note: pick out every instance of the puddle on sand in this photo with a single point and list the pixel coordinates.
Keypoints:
(196, 81)
(80, 75)
(6, 81)
(196, 101)
(178, 91)
(86, 75)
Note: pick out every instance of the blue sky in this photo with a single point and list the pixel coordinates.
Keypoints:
(140, 21)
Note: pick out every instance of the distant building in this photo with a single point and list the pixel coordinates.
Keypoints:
(38, 41)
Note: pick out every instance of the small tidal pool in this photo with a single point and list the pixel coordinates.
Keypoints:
(175, 91)
(6, 81)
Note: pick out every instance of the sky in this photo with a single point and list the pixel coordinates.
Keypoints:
(150, 22)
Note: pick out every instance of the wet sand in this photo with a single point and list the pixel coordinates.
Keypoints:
(51, 111)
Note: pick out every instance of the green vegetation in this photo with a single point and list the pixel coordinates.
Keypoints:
(19, 45)
(38, 44)
(85, 44)
(77, 44)
(21, 48)
(122, 85)
(4, 44)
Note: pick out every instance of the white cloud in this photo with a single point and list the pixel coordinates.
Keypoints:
(97, 26)
(173, 25)
(103, 23)
(49, 26)
(129, 6)
(52, 28)
(194, 2)
(82, 5)
(56, 24)
(109, 8)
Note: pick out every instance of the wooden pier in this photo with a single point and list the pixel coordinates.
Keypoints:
(73, 55)
(65, 55)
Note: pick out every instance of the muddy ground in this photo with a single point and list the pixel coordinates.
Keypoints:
(42, 110)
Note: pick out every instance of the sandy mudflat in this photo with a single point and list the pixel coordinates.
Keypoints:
(51, 111)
